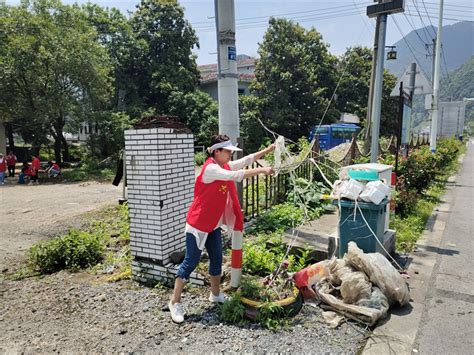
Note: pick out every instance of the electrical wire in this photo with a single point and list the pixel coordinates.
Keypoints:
(407, 43)
(425, 31)
(429, 18)
(306, 12)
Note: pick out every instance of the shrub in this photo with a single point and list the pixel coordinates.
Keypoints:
(199, 158)
(281, 216)
(262, 255)
(406, 200)
(232, 310)
(72, 251)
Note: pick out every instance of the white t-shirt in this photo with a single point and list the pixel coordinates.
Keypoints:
(212, 173)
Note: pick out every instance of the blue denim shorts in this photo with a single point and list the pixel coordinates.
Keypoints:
(193, 255)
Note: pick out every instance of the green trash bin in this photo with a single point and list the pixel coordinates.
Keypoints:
(355, 229)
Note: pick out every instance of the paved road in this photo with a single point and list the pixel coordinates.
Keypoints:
(447, 322)
(29, 213)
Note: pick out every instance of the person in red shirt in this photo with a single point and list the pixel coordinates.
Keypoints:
(35, 168)
(3, 168)
(54, 169)
(11, 162)
(215, 204)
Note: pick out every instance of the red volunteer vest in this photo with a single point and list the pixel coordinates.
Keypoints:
(209, 203)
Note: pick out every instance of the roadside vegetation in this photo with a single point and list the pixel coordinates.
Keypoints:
(100, 247)
(421, 182)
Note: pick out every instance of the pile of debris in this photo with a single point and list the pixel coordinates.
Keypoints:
(162, 121)
(361, 286)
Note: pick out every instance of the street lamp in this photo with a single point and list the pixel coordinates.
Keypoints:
(392, 53)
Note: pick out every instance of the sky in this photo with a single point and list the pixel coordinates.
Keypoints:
(342, 23)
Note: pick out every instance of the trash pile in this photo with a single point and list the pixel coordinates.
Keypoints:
(361, 286)
(374, 191)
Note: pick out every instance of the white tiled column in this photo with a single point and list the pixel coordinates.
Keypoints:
(160, 180)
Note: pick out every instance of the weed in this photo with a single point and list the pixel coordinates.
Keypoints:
(232, 310)
(73, 251)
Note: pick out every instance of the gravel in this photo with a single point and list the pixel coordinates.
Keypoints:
(82, 312)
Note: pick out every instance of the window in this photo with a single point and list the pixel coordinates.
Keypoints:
(322, 130)
(241, 91)
(338, 133)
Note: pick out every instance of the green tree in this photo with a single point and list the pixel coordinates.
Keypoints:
(353, 92)
(252, 132)
(162, 61)
(295, 78)
(52, 69)
(460, 83)
(114, 33)
(198, 111)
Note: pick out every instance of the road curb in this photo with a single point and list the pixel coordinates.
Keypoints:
(397, 334)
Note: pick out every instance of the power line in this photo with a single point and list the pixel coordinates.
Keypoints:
(339, 8)
(422, 22)
(435, 16)
(415, 30)
(450, 5)
(407, 43)
(307, 18)
(328, 13)
(429, 18)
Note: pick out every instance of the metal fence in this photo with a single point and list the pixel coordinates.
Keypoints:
(260, 193)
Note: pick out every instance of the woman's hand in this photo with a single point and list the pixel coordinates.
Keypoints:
(270, 148)
(267, 170)
(265, 151)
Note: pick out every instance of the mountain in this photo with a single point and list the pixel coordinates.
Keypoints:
(458, 48)
(460, 83)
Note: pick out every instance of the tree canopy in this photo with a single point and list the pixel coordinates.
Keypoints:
(353, 92)
(295, 77)
(52, 68)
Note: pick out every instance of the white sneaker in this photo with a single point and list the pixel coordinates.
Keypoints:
(217, 299)
(177, 312)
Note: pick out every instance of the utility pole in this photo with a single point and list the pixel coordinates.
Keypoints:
(227, 69)
(435, 101)
(368, 125)
(227, 79)
(382, 9)
(378, 88)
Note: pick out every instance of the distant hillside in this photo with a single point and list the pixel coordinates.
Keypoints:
(458, 46)
(460, 83)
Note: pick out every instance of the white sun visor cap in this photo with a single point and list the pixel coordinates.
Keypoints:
(225, 145)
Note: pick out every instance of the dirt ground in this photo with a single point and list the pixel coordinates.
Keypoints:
(82, 312)
(29, 213)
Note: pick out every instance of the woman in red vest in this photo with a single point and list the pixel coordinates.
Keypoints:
(215, 204)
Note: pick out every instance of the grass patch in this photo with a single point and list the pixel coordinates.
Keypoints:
(87, 172)
(101, 247)
(409, 229)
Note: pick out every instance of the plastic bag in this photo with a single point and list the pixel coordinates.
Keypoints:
(312, 274)
(380, 272)
(354, 285)
(369, 315)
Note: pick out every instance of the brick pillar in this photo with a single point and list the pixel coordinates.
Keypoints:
(160, 178)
